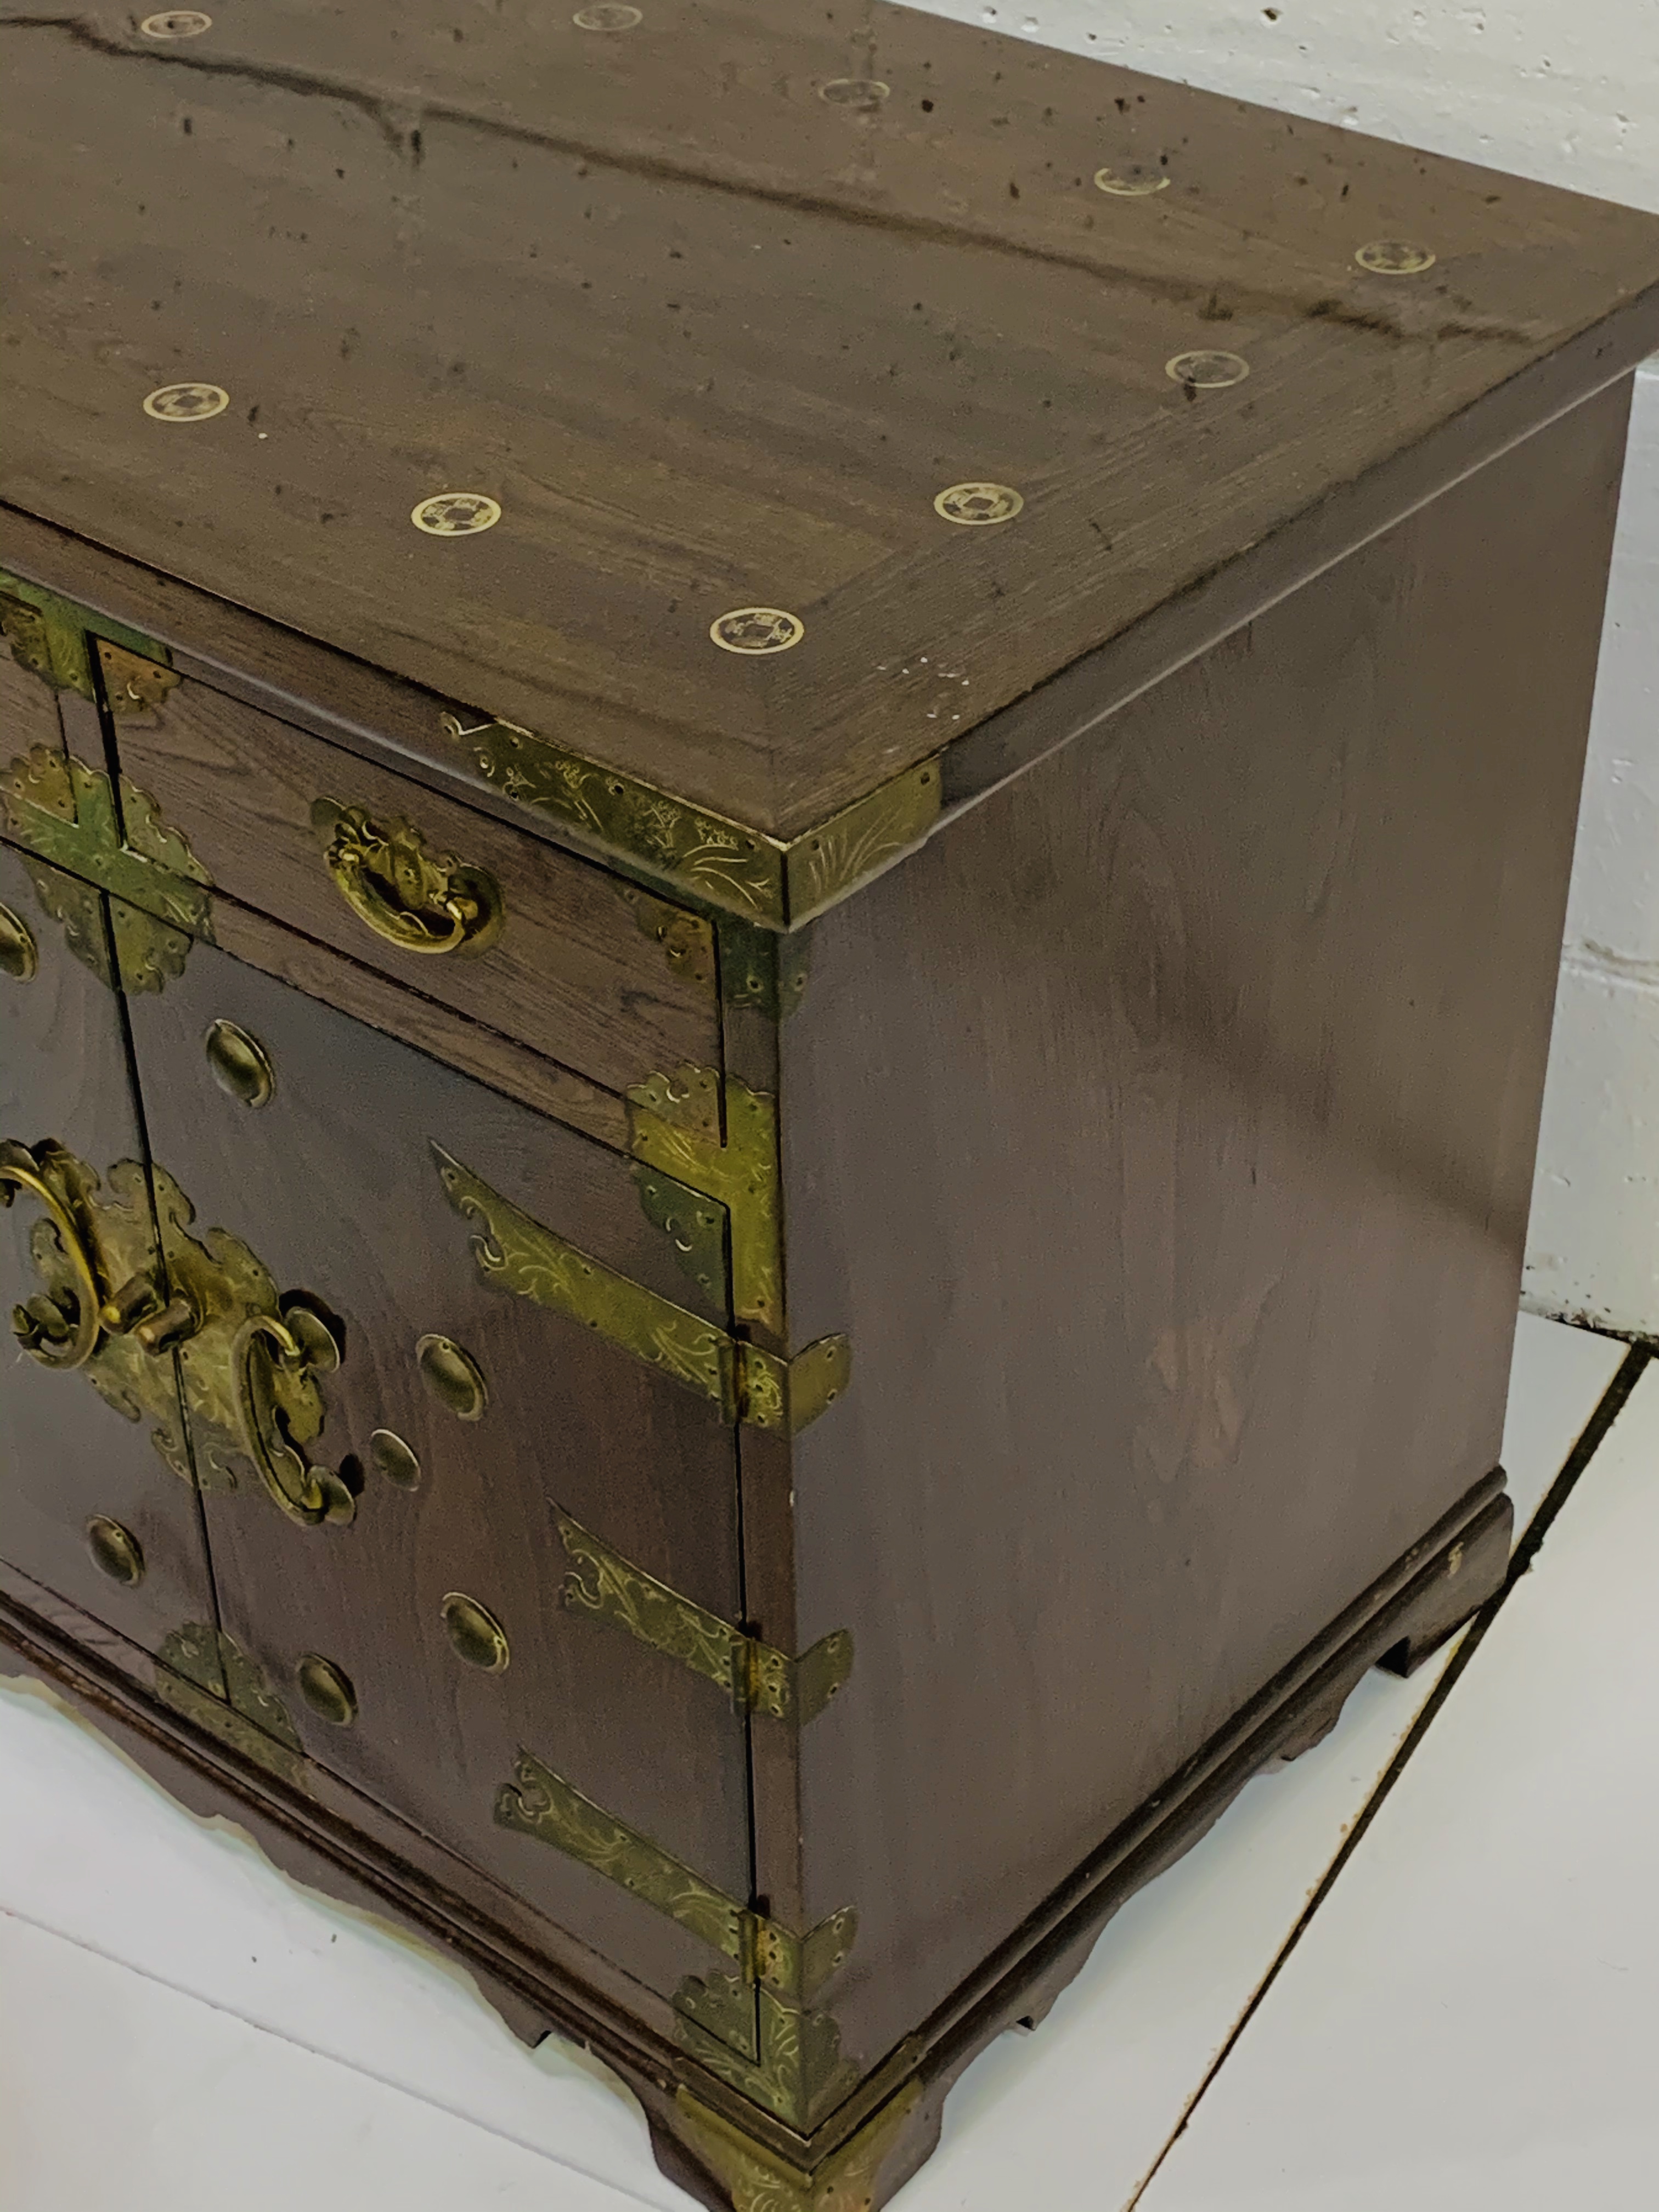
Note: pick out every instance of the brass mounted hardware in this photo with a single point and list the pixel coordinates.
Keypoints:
(240, 1064)
(758, 2181)
(515, 1254)
(695, 1227)
(394, 1460)
(115, 1551)
(64, 814)
(126, 1312)
(687, 941)
(745, 871)
(213, 1682)
(327, 1690)
(19, 956)
(453, 1376)
(132, 684)
(756, 1677)
(760, 968)
(477, 1635)
(668, 1128)
(53, 636)
(420, 902)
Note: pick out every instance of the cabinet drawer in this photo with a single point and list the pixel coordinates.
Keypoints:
(574, 961)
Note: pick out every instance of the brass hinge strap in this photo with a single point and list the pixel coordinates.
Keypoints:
(539, 1802)
(673, 1124)
(51, 634)
(64, 813)
(515, 1254)
(756, 1676)
(779, 882)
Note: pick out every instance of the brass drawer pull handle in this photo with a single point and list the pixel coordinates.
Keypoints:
(418, 901)
(47, 1331)
(266, 1353)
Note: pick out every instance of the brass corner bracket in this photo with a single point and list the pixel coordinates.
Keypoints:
(58, 640)
(760, 2181)
(202, 1674)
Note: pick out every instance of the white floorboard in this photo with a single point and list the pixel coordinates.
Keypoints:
(91, 1853)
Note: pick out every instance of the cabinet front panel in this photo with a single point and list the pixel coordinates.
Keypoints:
(333, 1182)
(69, 1457)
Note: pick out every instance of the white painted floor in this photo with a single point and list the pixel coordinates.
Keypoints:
(1466, 2018)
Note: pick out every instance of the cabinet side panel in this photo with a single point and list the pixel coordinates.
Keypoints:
(1164, 1133)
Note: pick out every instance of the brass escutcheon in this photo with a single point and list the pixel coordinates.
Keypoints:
(478, 1636)
(241, 1066)
(453, 1376)
(327, 1689)
(300, 1344)
(394, 1460)
(115, 1550)
(18, 957)
(417, 901)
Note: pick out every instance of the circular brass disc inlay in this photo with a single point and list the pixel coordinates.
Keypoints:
(1394, 257)
(756, 630)
(241, 1066)
(1207, 372)
(862, 93)
(393, 1459)
(18, 956)
(186, 402)
(456, 513)
(475, 1633)
(453, 1377)
(327, 1689)
(116, 1550)
(1131, 183)
(610, 16)
(176, 23)
(976, 504)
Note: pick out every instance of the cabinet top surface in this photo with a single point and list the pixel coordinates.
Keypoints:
(723, 306)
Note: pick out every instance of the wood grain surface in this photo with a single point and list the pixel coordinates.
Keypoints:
(714, 339)
(1163, 1134)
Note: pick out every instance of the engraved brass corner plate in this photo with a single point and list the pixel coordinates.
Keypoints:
(756, 1678)
(759, 2181)
(420, 901)
(212, 1681)
(517, 1254)
(687, 941)
(64, 815)
(55, 638)
(743, 870)
(695, 1227)
(132, 684)
(669, 1119)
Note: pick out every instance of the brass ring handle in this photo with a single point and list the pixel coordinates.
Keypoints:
(307, 1494)
(75, 1346)
(420, 901)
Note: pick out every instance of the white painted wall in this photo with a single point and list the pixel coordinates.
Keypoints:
(1565, 91)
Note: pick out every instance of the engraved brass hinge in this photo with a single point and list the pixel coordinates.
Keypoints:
(755, 1675)
(673, 1124)
(515, 1254)
(55, 638)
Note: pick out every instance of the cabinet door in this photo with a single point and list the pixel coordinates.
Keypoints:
(98, 1503)
(406, 1605)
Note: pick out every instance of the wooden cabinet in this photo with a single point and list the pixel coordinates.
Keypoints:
(780, 879)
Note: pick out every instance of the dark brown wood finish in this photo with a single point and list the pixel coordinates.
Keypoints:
(1164, 1134)
(333, 1185)
(580, 972)
(709, 356)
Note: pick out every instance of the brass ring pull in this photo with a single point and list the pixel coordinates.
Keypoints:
(420, 902)
(46, 1332)
(266, 1347)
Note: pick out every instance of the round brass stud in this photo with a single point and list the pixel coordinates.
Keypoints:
(863, 94)
(394, 1460)
(475, 1633)
(610, 16)
(453, 1376)
(1394, 257)
(115, 1551)
(1132, 182)
(975, 505)
(186, 402)
(239, 1063)
(327, 1689)
(1207, 372)
(456, 513)
(756, 630)
(176, 23)
(18, 957)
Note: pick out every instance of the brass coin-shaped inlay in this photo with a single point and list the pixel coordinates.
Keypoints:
(18, 957)
(176, 23)
(327, 1689)
(1207, 372)
(116, 1550)
(756, 630)
(456, 513)
(241, 1066)
(609, 15)
(1394, 257)
(186, 402)
(1131, 182)
(976, 504)
(453, 1376)
(864, 93)
(475, 1633)
(391, 1457)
